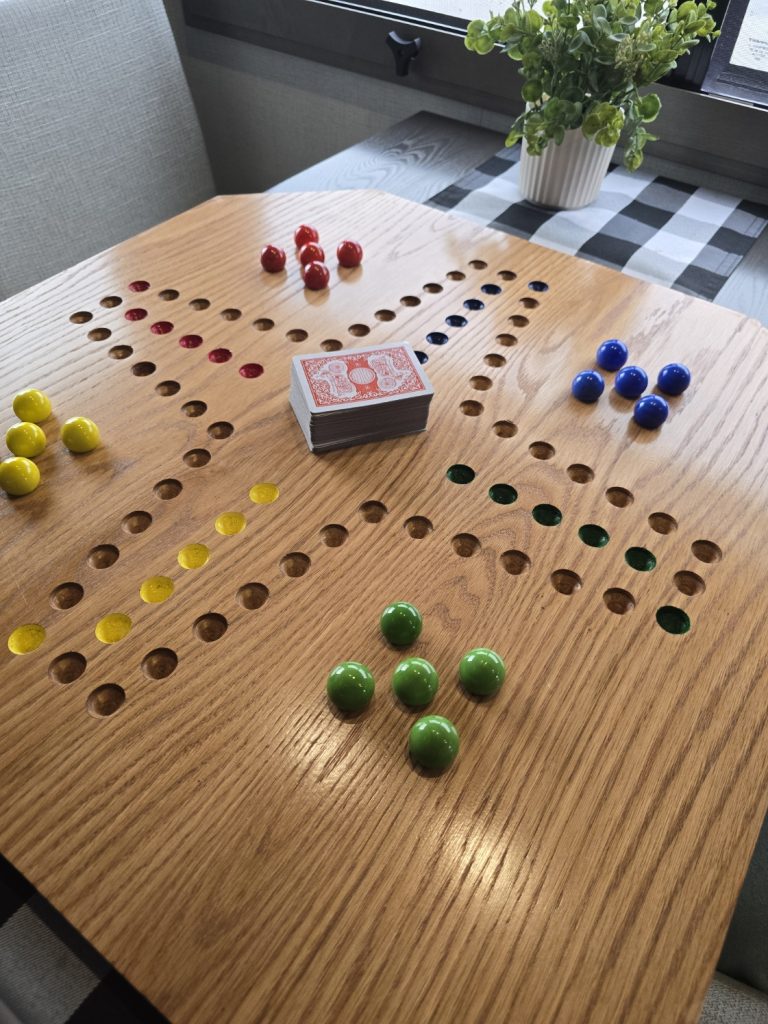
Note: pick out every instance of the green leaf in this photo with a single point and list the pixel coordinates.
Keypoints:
(648, 107)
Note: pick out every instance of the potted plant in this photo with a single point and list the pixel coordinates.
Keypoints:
(583, 65)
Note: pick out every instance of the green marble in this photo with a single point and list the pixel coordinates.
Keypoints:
(350, 686)
(415, 682)
(401, 623)
(481, 672)
(433, 743)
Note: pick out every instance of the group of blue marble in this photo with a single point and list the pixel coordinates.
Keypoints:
(631, 381)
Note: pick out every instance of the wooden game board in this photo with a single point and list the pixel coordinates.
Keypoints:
(239, 851)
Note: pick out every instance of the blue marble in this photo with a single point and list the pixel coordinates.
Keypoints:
(437, 338)
(674, 378)
(474, 304)
(631, 382)
(538, 286)
(491, 289)
(650, 412)
(455, 320)
(587, 386)
(421, 356)
(612, 354)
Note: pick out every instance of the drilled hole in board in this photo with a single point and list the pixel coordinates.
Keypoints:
(296, 335)
(160, 663)
(105, 700)
(504, 428)
(66, 595)
(330, 345)
(456, 275)
(618, 601)
(529, 303)
(210, 627)
(620, 497)
(120, 352)
(507, 340)
(515, 562)
(359, 330)
(81, 317)
(197, 457)
(230, 314)
(333, 535)
(706, 551)
(199, 304)
(168, 294)
(460, 474)
(417, 527)
(167, 489)
(252, 596)
(194, 408)
(478, 264)
(143, 369)
(99, 334)
(661, 522)
(507, 275)
(689, 583)
(471, 408)
(580, 474)
(593, 536)
(410, 300)
(547, 515)
(136, 522)
(263, 323)
(494, 359)
(372, 511)
(502, 494)
(640, 559)
(167, 388)
(673, 620)
(465, 545)
(385, 314)
(220, 430)
(565, 582)
(480, 383)
(518, 321)
(103, 556)
(294, 564)
(541, 450)
(433, 287)
(66, 668)
(110, 301)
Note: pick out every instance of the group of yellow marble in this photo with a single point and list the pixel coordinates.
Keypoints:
(26, 440)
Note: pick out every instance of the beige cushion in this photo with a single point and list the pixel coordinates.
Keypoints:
(98, 135)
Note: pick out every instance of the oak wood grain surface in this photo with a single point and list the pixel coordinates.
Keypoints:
(235, 848)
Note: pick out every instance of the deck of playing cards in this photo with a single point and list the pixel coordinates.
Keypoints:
(368, 394)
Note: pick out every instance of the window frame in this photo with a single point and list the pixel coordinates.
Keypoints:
(705, 132)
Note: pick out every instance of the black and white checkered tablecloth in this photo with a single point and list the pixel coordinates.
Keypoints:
(49, 974)
(661, 230)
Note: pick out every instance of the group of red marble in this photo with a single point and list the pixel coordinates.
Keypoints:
(311, 256)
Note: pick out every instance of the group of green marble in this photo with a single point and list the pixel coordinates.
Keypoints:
(434, 741)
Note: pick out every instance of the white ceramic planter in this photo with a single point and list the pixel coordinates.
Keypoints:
(566, 176)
